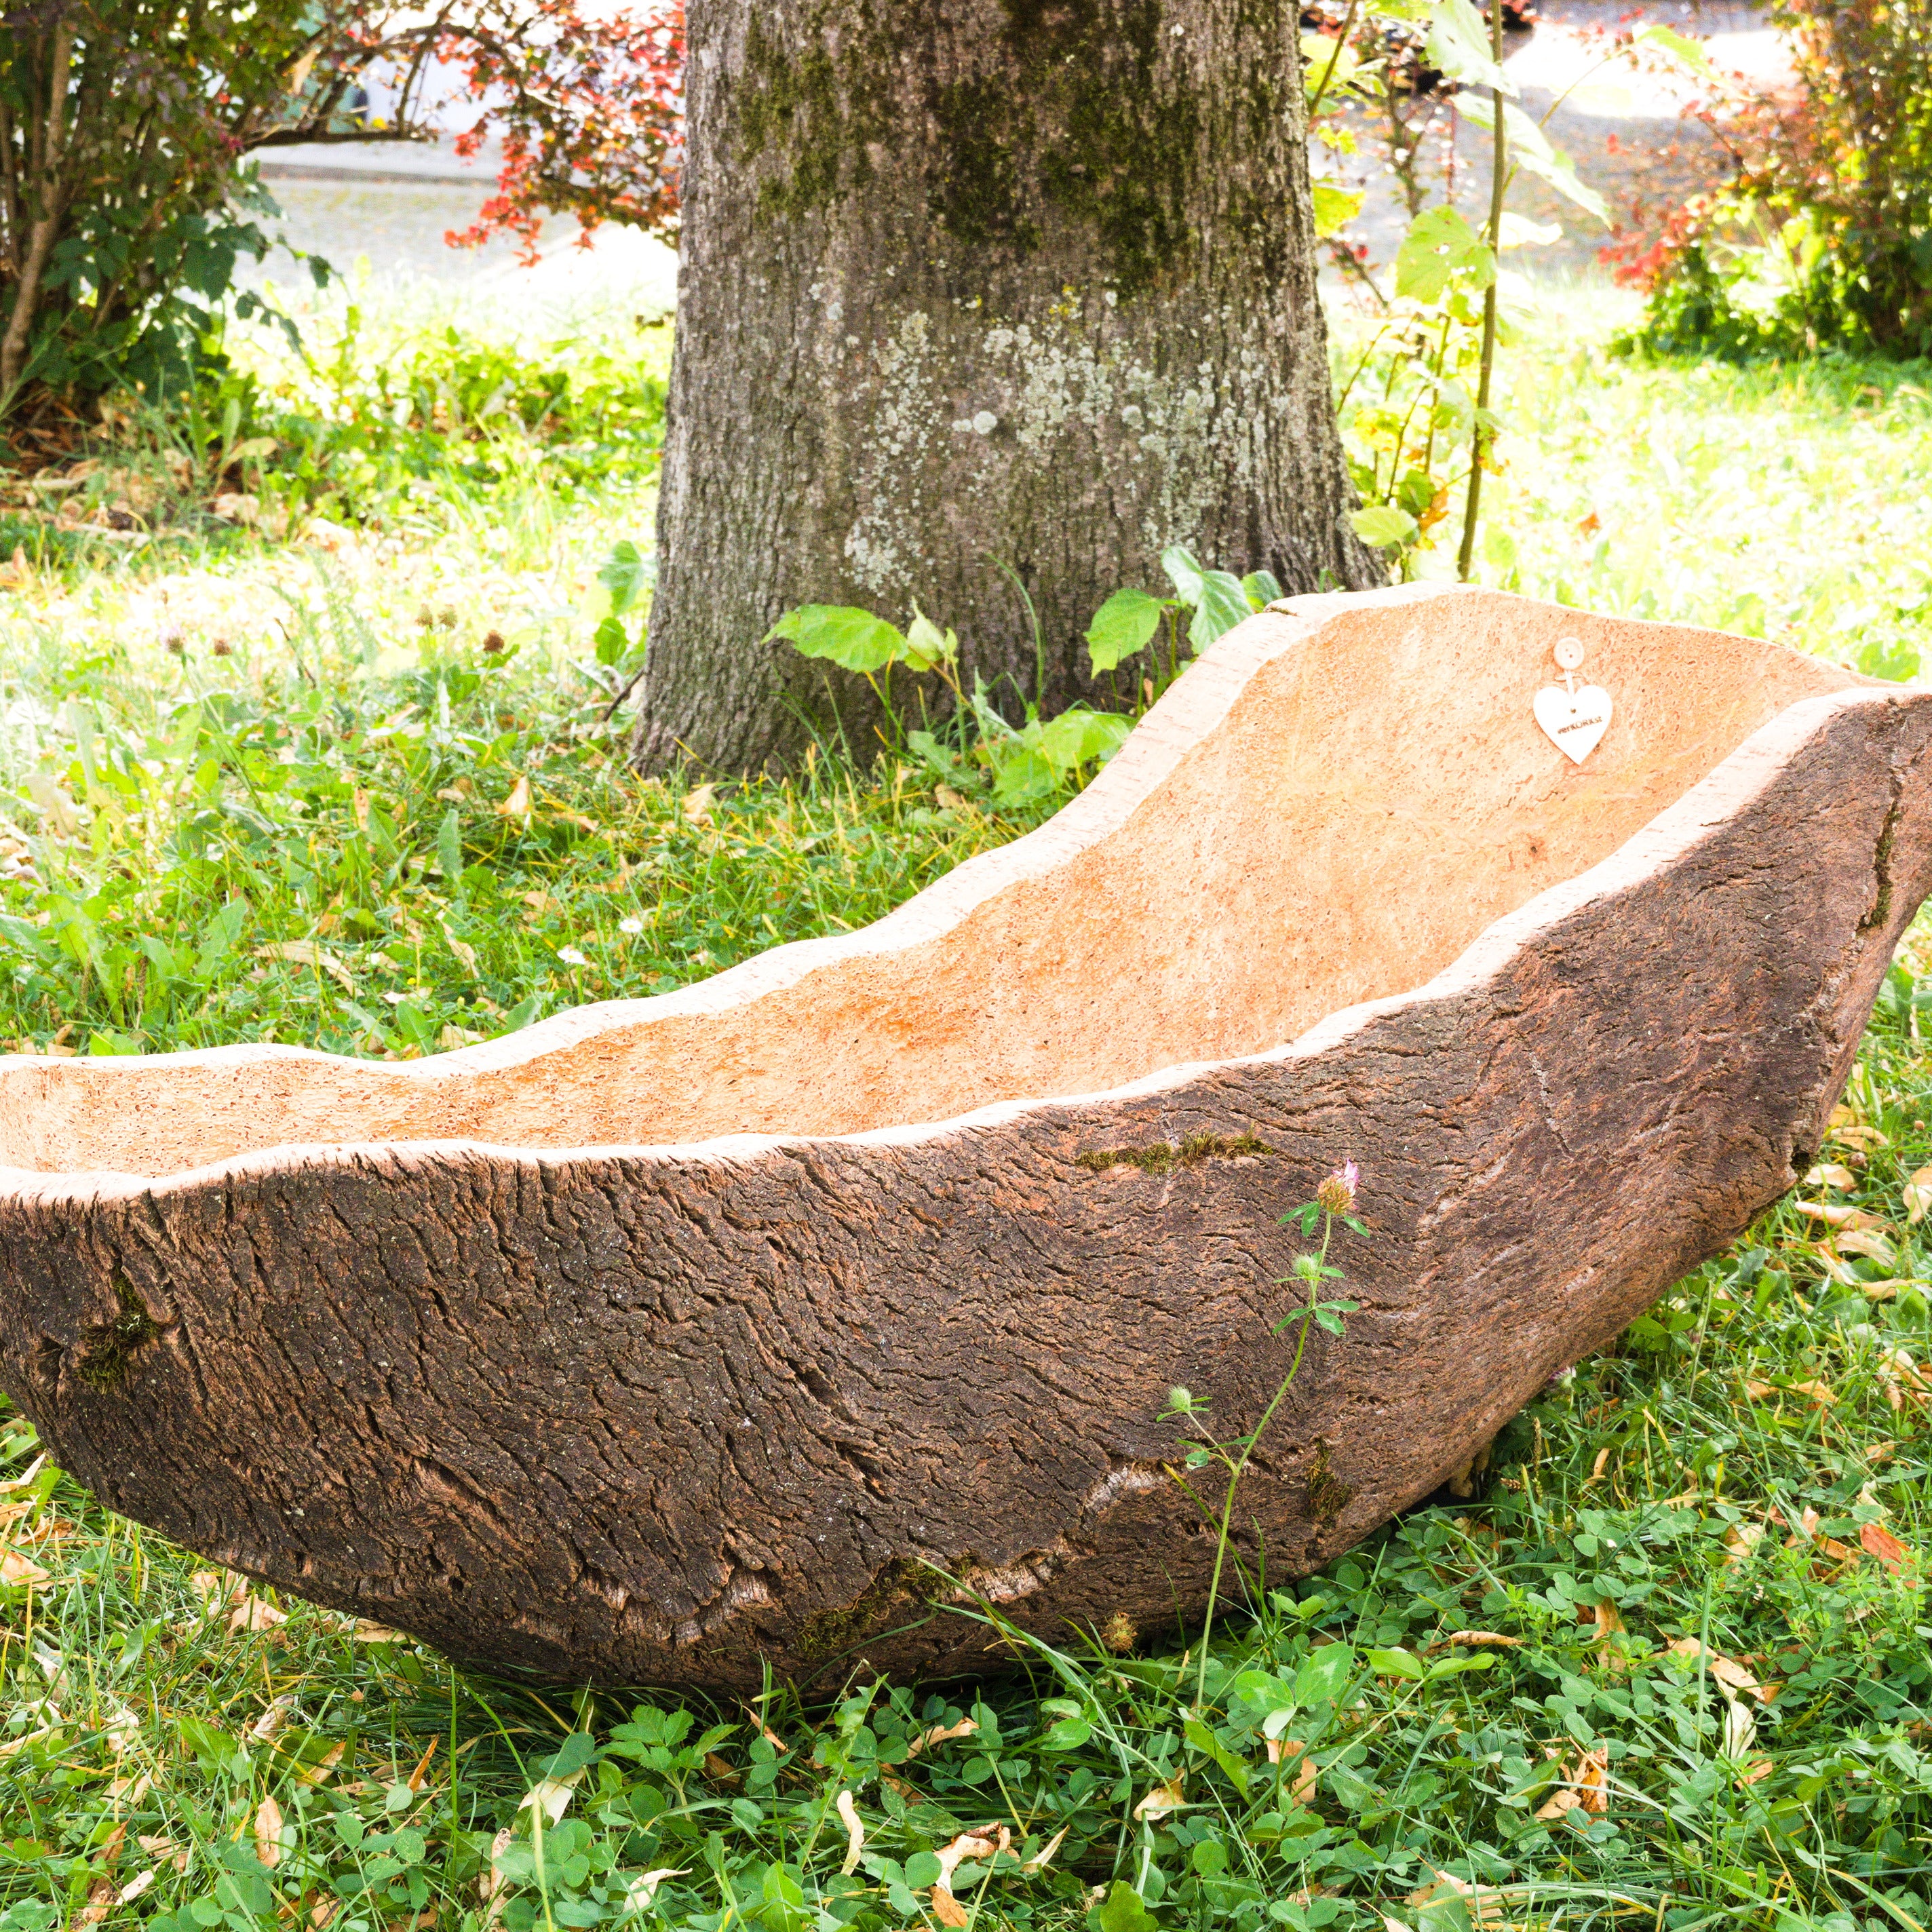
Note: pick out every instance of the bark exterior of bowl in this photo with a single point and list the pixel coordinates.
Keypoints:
(653, 1415)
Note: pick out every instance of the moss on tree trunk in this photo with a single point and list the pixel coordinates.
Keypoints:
(970, 283)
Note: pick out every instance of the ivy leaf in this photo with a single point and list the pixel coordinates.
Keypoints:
(1122, 625)
(853, 639)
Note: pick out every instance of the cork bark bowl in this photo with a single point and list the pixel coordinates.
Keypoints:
(763, 1318)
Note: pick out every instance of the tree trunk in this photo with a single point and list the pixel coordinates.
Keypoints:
(971, 286)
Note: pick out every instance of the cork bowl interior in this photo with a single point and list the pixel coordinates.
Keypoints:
(1319, 814)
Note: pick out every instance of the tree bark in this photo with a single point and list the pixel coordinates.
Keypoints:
(971, 286)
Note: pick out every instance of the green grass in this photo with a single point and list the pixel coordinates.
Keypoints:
(258, 798)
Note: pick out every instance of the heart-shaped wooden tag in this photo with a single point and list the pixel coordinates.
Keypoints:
(1574, 721)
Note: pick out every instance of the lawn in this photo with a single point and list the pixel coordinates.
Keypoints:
(362, 788)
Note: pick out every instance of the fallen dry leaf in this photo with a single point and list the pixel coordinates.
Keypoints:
(422, 1771)
(1763, 1391)
(1485, 1907)
(306, 953)
(1918, 1196)
(264, 1727)
(268, 1832)
(1041, 1858)
(1756, 1771)
(100, 1902)
(1163, 1798)
(1478, 1640)
(855, 1833)
(135, 1886)
(644, 1888)
(20, 1573)
(1740, 1540)
(1306, 1772)
(490, 1882)
(1583, 1786)
(517, 804)
(1609, 1621)
(1732, 1673)
(1842, 1214)
(1832, 1174)
(970, 1844)
(1880, 1542)
(1888, 1290)
(1740, 1729)
(1871, 1244)
(1847, 1124)
(940, 1734)
(255, 1613)
(364, 1631)
(697, 804)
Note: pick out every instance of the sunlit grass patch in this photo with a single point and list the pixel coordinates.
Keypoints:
(1665, 1666)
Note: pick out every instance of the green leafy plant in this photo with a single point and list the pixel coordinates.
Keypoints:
(1416, 408)
(1131, 621)
(1823, 239)
(976, 751)
(1334, 1201)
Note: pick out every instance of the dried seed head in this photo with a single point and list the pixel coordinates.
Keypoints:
(1120, 1635)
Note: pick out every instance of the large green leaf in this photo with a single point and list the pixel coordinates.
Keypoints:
(1121, 1911)
(1322, 1675)
(1079, 737)
(1335, 207)
(1459, 43)
(1529, 147)
(1216, 598)
(927, 645)
(1122, 625)
(1382, 525)
(1024, 777)
(1439, 246)
(853, 639)
(627, 573)
(1263, 587)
